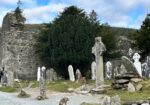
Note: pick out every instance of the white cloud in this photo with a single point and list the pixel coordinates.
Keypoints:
(115, 12)
(43, 13)
(8, 2)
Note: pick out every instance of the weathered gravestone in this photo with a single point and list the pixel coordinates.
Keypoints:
(93, 70)
(130, 53)
(38, 73)
(51, 75)
(108, 70)
(137, 63)
(98, 50)
(129, 65)
(78, 75)
(42, 86)
(71, 73)
(148, 67)
(115, 100)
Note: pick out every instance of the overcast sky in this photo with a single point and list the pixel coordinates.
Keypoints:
(119, 13)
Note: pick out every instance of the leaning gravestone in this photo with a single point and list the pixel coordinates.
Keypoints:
(129, 65)
(137, 63)
(71, 73)
(93, 69)
(98, 50)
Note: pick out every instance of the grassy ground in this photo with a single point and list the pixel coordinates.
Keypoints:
(8, 89)
(63, 85)
(88, 103)
(134, 96)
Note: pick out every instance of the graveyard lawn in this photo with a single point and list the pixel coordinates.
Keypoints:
(8, 89)
(132, 96)
(60, 85)
(84, 103)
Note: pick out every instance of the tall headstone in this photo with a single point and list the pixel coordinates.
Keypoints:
(145, 70)
(42, 84)
(98, 50)
(148, 67)
(130, 53)
(43, 70)
(137, 63)
(38, 73)
(108, 70)
(93, 68)
(71, 73)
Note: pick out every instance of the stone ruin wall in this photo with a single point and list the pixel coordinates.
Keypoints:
(17, 54)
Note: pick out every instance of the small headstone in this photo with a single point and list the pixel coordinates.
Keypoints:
(108, 70)
(145, 71)
(122, 69)
(51, 75)
(4, 78)
(148, 67)
(131, 87)
(78, 75)
(43, 70)
(130, 53)
(116, 71)
(115, 100)
(93, 68)
(106, 101)
(71, 73)
(38, 73)
(137, 63)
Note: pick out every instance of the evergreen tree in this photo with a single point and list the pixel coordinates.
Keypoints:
(69, 40)
(142, 37)
(18, 14)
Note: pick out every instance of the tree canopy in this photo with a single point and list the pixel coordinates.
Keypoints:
(18, 14)
(142, 37)
(69, 39)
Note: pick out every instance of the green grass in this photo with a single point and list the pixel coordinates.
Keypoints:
(84, 103)
(8, 89)
(25, 96)
(62, 85)
(132, 96)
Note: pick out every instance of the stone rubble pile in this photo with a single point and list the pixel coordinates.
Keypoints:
(129, 79)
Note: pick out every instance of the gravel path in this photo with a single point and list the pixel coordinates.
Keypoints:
(53, 99)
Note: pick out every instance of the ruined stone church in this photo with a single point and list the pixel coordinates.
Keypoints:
(17, 53)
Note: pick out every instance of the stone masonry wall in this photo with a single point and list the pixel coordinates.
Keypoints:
(17, 53)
